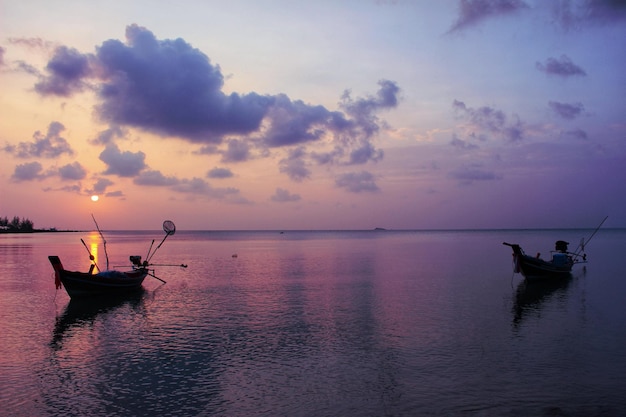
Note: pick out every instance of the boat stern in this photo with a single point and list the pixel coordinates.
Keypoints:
(58, 269)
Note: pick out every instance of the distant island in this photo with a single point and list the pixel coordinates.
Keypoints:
(20, 225)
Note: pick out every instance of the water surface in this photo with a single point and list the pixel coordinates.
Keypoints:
(371, 323)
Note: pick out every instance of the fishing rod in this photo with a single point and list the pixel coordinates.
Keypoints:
(91, 257)
(154, 276)
(581, 246)
(103, 240)
(136, 261)
(150, 249)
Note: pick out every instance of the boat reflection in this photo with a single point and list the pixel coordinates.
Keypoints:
(83, 312)
(530, 296)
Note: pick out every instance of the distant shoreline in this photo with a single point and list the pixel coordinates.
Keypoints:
(22, 232)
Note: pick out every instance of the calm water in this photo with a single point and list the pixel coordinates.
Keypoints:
(315, 324)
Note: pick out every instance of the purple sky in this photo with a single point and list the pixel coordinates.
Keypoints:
(314, 115)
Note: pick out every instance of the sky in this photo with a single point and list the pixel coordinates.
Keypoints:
(313, 115)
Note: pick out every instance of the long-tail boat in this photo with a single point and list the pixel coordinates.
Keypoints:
(558, 266)
(83, 284)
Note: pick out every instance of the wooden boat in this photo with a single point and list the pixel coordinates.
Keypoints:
(559, 266)
(108, 282)
(83, 284)
(533, 267)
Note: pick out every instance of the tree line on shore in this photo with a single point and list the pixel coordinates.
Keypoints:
(17, 225)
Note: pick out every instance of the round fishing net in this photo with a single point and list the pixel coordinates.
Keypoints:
(169, 227)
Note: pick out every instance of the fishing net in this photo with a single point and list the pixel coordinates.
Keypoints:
(169, 227)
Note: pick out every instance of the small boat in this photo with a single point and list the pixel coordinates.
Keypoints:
(559, 266)
(108, 282)
(83, 284)
(533, 267)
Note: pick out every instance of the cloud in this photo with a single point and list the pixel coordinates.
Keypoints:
(198, 186)
(2, 51)
(563, 67)
(363, 121)
(294, 122)
(108, 135)
(50, 145)
(462, 144)
(294, 165)
(566, 110)
(219, 173)
(472, 12)
(284, 196)
(66, 70)
(490, 121)
(76, 189)
(155, 178)
(352, 131)
(570, 14)
(123, 164)
(323, 158)
(73, 171)
(366, 153)
(101, 185)
(27, 68)
(357, 182)
(574, 14)
(172, 89)
(32, 43)
(27, 172)
(194, 186)
(208, 150)
(608, 10)
(237, 151)
(469, 174)
(169, 88)
(575, 134)
(115, 194)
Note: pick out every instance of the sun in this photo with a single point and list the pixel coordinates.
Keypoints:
(95, 198)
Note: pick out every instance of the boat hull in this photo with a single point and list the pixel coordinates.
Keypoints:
(535, 268)
(80, 284)
(84, 284)
(538, 269)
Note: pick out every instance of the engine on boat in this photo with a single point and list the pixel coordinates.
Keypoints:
(561, 246)
(135, 259)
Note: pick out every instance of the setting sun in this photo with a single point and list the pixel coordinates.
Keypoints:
(94, 198)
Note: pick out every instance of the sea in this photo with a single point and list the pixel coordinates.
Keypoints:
(315, 323)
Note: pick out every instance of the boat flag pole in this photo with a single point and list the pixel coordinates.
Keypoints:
(103, 240)
(581, 247)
